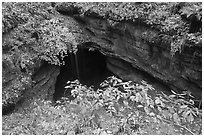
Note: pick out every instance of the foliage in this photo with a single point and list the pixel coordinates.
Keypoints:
(116, 108)
(15, 13)
(57, 37)
(174, 107)
(33, 32)
(178, 108)
(190, 9)
(14, 93)
(38, 34)
(13, 81)
(19, 21)
(43, 118)
(167, 18)
(42, 35)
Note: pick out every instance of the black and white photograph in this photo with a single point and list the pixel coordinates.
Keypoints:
(101, 68)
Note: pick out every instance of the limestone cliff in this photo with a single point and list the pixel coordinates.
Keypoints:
(123, 30)
(161, 39)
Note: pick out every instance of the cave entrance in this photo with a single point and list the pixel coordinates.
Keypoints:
(88, 66)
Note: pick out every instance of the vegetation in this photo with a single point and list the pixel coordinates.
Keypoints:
(18, 23)
(178, 23)
(41, 35)
(39, 32)
(33, 32)
(117, 107)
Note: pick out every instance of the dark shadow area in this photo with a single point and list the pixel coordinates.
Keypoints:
(90, 68)
(8, 110)
(87, 66)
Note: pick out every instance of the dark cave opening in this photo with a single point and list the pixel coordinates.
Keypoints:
(88, 66)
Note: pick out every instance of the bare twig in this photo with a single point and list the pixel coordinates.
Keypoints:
(173, 124)
(178, 125)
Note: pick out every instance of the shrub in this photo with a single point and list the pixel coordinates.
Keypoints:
(117, 107)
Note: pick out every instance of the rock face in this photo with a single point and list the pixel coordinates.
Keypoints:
(182, 71)
(43, 87)
(21, 48)
(45, 79)
(145, 50)
(14, 82)
(140, 44)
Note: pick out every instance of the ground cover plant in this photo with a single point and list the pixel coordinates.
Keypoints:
(34, 32)
(37, 31)
(117, 107)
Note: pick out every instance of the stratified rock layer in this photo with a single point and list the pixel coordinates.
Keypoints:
(144, 49)
(141, 34)
(43, 87)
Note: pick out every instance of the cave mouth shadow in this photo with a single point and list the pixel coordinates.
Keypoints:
(88, 66)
